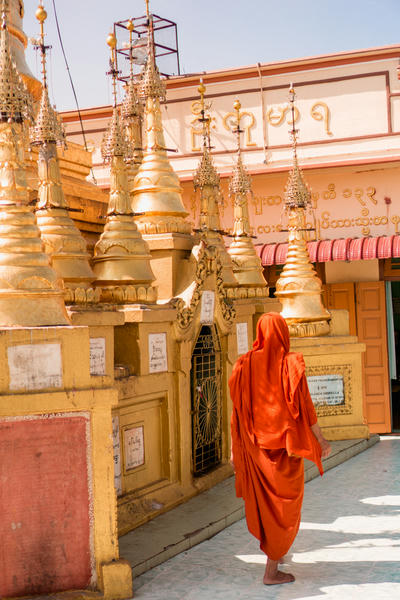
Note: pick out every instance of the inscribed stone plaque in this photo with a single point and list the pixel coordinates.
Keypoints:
(35, 366)
(134, 447)
(158, 352)
(242, 338)
(117, 455)
(326, 389)
(207, 307)
(98, 356)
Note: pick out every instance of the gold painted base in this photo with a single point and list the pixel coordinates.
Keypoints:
(32, 309)
(80, 295)
(128, 294)
(312, 329)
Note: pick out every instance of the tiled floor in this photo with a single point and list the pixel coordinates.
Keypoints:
(348, 546)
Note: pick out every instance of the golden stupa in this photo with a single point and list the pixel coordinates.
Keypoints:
(63, 241)
(18, 43)
(30, 291)
(207, 180)
(121, 256)
(299, 288)
(157, 191)
(246, 263)
(132, 117)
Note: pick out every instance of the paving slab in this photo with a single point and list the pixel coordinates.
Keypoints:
(205, 515)
(348, 546)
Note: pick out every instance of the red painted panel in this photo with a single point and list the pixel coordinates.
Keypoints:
(44, 506)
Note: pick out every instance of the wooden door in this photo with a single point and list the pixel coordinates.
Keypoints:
(371, 329)
(341, 295)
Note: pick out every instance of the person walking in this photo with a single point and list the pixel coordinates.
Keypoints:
(274, 427)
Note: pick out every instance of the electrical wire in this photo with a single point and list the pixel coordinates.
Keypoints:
(72, 84)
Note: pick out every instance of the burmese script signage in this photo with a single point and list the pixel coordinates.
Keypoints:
(117, 455)
(207, 307)
(158, 352)
(326, 389)
(35, 366)
(97, 356)
(134, 447)
(242, 338)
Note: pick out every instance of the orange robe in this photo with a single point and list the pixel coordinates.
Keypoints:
(271, 434)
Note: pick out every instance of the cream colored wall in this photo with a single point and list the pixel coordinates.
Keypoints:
(340, 271)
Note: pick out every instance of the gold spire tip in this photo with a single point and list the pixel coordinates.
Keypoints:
(111, 40)
(130, 26)
(41, 14)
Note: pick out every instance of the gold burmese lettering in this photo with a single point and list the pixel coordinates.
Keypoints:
(360, 193)
(260, 201)
(277, 228)
(364, 221)
(249, 123)
(320, 112)
(276, 115)
(196, 128)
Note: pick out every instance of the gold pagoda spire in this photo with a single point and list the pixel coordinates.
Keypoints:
(207, 180)
(62, 239)
(156, 191)
(298, 288)
(246, 264)
(30, 292)
(132, 115)
(121, 256)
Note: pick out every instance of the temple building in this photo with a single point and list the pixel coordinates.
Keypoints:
(348, 110)
(125, 304)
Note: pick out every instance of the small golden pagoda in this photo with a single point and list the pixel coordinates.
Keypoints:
(132, 117)
(121, 256)
(63, 241)
(299, 288)
(30, 291)
(157, 191)
(207, 180)
(246, 264)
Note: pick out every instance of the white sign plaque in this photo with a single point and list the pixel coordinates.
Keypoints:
(158, 352)
(117, 455)
(242, 338)
(326, 389)
(98, 356)
(35, 366)
(134, 447)
(207, 307)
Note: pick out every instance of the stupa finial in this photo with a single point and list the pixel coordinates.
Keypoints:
(121, 256)
(156, 189)
(15, 100)
(132, 117)
(299, 288)
(297, 192)
(246, 263)
(206, 174)
(62, 239)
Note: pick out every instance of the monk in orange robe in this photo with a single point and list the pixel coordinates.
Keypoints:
(274, 426)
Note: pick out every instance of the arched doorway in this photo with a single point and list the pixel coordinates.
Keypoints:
(206, 401)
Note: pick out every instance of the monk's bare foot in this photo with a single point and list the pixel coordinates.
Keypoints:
(278, 578)
(274, 577)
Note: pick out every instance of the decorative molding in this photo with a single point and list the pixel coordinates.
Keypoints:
(326, 410)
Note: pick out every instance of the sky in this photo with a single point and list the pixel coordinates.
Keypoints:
(213, 34)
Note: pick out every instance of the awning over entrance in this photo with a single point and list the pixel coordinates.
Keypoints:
(349, 249)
